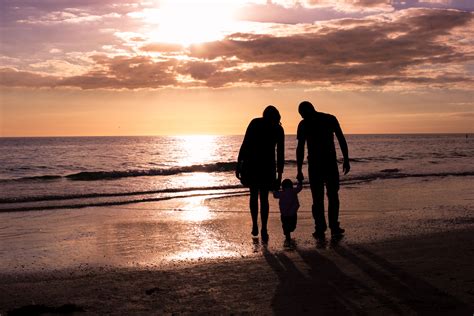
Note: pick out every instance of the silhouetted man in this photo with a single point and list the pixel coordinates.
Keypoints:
(317, 129)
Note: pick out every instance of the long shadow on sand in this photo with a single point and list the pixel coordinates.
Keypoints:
(415, 293)
(326, 289)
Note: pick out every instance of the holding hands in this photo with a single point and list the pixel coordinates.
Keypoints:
(300, 176)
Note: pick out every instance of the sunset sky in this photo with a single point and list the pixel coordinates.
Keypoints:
(111, 67)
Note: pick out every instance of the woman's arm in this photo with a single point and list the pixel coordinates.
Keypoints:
(280, 153)
(243, 152)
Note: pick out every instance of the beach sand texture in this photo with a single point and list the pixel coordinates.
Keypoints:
(407, 250)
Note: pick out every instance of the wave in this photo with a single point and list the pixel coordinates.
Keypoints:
(390, 170)
(45, 177)
(396, 174)
(104, 175)
(208, 168)
(84, 204)
(115, 194)
(117, 174)
(382, 174)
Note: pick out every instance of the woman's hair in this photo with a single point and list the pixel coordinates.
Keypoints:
(271, 113)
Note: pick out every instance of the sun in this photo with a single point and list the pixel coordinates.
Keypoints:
(187, 22)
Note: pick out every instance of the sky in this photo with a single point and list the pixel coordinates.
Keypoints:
(175, 67)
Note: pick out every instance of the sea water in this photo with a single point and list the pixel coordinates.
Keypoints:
(74, 172)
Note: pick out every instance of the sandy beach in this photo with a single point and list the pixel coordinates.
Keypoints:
(407, 250)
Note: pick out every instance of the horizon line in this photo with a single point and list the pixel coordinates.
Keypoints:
(219, 135)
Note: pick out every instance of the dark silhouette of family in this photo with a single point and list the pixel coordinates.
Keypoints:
(261, 161)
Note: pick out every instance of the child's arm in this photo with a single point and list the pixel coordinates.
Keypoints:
(276, 194)
(299, 187)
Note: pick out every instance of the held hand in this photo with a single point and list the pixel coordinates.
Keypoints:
(276, 187)
(346, 167)
(300, 177)
(277, 184)
(238, 170)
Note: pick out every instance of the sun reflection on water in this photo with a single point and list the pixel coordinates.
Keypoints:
(204, 241)
(204, 253)
(197, 180)
(195, 210)
(196, 149)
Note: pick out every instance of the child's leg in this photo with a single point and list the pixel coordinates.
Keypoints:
(286, 225)
(293, 220)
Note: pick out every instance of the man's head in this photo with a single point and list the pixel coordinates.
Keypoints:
(306, 109)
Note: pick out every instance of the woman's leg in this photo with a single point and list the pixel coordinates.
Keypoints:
(254, 210)
(264, 208)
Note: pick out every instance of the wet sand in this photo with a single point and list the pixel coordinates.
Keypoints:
(408, 250)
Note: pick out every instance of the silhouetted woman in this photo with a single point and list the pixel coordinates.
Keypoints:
(256, 165)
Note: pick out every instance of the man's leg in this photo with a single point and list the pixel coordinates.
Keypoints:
(332, 191)
(317, 191)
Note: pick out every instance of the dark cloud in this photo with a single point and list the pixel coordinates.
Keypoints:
(466, 5)
(309, 11)
(111, 73)
(125, 72)
(13, 78)
(412, 47)
(381, 49)
(199, 70)
(410, 36)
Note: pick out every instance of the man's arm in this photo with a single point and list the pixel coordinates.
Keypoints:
(300, 152)
(343, 144)
(299, 159)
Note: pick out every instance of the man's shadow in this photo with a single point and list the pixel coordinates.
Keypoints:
(414, 293)
(326, 289)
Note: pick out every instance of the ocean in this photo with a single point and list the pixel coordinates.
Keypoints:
(74, 172)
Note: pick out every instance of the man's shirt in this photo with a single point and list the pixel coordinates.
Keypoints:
(318, 132)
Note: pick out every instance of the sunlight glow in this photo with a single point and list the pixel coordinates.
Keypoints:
(210, 253)
(186, 22)
(197, 179)
(195, 210)
(197, 149)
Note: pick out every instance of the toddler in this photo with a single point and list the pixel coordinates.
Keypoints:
(289, 205)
